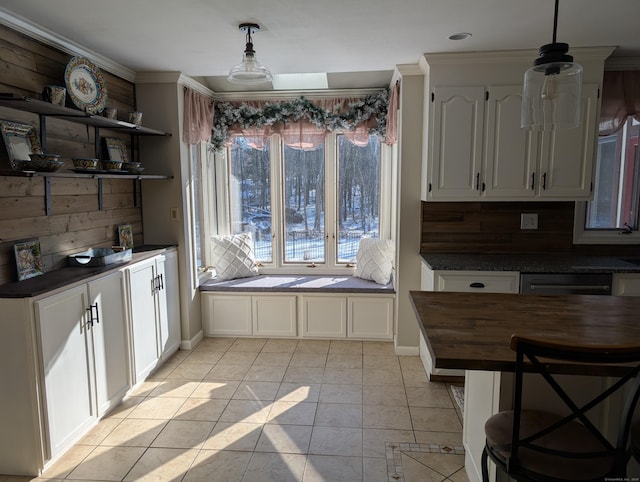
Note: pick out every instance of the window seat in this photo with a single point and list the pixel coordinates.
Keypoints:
(298, 306)
(299, 284)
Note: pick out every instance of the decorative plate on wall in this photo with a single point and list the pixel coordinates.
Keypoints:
(86, 85)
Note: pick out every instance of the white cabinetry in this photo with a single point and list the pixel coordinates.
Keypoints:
(67, 365)
(306, 315)
(68, 353)
(626, 284)
(462, 281)
(323, 316)
(82, 335)
(155, 320)
(477, 149)
(242, 314)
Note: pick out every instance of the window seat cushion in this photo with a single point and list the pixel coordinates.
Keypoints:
(298, 284)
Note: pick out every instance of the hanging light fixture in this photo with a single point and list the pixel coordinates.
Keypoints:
(552, 94)
(249, 71)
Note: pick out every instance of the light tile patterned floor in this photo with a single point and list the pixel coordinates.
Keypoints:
(277, 410)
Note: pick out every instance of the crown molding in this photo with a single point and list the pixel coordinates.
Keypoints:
(409, 69)
(53, 39)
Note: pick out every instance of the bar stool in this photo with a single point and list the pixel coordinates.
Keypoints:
(532, 445)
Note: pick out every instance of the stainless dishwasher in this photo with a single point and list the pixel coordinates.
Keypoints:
(566, 283)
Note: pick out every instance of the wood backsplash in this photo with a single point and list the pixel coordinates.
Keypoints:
(76, 222)
(494, 227)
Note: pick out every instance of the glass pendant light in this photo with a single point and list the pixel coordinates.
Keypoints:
(552, 95)
(249, 71)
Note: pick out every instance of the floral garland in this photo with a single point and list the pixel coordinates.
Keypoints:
(228, 114)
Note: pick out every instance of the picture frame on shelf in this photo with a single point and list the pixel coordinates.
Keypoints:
(125, 236)
(117, 149)
(28, 259)
(20, 140)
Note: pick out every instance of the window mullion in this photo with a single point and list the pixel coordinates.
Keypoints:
(331, 196)
(277, 201)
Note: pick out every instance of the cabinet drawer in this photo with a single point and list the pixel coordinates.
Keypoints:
(487, 282)
(626, 284)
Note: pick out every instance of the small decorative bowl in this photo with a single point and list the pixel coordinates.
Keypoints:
(111, 165)
(36, 157)
(85, 163)
(45, 162)
(132, 167)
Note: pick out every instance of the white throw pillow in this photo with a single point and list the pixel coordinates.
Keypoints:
(233, 256)
(374, 260)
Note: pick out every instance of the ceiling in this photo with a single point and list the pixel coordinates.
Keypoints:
(357, 43)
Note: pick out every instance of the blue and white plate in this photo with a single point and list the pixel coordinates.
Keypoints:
(85, 85)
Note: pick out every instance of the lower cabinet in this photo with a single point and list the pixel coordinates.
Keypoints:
(305, 315)
(227, 314)
(626, 284)
(68, 356)
(155, 312)
(68, 353)
(461, 281)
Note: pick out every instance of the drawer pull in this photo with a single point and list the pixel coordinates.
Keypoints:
(476, 285)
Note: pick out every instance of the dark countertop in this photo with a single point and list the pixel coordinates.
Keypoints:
(531, 263)
(58, 278)
(472, 331)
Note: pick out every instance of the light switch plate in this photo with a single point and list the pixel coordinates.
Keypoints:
(529, 221)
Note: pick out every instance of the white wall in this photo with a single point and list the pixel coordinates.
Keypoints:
(409, 205)
(160, 97)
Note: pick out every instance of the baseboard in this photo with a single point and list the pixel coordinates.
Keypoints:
(190, 344)
(407, 350)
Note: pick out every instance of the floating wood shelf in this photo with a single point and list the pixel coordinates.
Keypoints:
(47, 109)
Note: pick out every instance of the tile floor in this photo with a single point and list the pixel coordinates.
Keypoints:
(277, 410)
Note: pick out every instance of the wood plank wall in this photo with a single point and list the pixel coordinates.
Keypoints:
(494, 227)
(76, 223)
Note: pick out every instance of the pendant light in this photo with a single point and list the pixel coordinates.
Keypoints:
(249, 71)
(552, 94)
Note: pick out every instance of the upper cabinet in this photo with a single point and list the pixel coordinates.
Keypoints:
(475, 148)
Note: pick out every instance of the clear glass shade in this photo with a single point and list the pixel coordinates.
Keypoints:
(249, 71)
(552, 96)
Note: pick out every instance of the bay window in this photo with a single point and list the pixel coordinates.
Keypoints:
(305, 207)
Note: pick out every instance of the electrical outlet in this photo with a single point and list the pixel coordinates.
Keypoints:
(173, 214)
(529, 221)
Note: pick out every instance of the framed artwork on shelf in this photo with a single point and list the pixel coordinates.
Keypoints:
(28, 259)
(20, 140)
(125, 236)
(116, 149)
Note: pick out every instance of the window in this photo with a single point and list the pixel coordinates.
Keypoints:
(614, 208)
(306, 207)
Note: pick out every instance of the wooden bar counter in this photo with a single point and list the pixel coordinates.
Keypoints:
(472, 331)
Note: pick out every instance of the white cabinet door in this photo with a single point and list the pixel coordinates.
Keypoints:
(370, 317)
(511, 153)
(65, 338)
(455, 154)
(110, 348)
(226, 315)
(324, 316)
(143, 306)
(274, 315)
(171, 286)
(566, 164)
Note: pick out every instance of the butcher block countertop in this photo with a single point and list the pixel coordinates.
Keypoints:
(471, 331)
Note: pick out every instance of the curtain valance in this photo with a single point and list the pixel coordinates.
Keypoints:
(303, 123)
(197, 117)
(620, 99)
